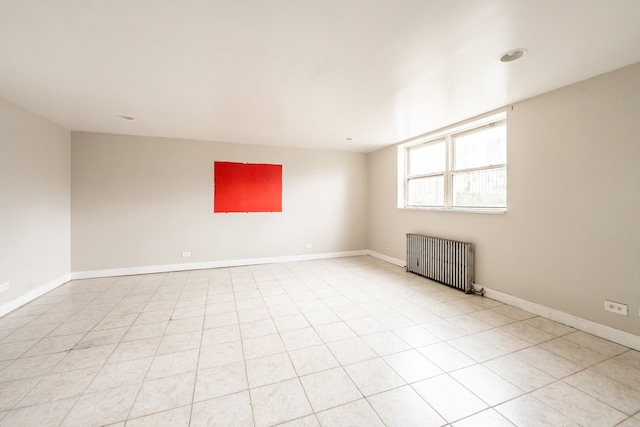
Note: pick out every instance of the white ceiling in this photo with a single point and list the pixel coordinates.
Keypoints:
(305, 73)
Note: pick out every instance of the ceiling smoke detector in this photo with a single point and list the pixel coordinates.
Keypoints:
(513, 55)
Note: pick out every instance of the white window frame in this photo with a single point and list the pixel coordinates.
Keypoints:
(447, 135)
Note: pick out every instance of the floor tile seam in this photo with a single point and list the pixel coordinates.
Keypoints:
(363, 360)
(580, 391)
(153, 358)
(98, 367)
(288, 353)
(548, 373)
(593, 349)
(15, 405)
(63, 351)
(630, 351)
(474, 335)
(37, 341)
(78, 396)
(3, 341)
(451, 421)
(631, 418)
(332, 323)
(529, 344)
(344, 403)
(340, 365)
(506, 353)
(414, 391)
(83, 394)
(344, 367)
(555, 379)
(35, 376)
(553, 322)
(587, 392)
(126, 420)
(525, 339)
(313, 414)
(466, 417)
(442, 371)
(483, 400)
(147, 380)
(587, 366)
(246, 372)
(303, 311)
(364, 399)
(71, 314)
(590, 368)
(138, 314)
(120, 341)
(382, 355)
(195, 381)
(497, 407)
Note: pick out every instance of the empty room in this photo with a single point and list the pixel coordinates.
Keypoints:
(319, 213)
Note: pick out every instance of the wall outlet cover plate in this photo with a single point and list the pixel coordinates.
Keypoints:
(616, 307)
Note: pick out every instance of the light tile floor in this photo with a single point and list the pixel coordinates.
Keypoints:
(341, 342)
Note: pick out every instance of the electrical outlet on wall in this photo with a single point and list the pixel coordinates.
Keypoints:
(308, 246)
(616, 307)
(186, 254)
(5, 286)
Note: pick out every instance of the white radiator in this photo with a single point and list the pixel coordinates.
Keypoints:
(445, 261)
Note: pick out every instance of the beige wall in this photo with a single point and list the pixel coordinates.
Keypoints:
(568, 241)
(140, 201)
(571, 236)
(34, 201)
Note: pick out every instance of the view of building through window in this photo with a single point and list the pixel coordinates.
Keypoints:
(463, 168)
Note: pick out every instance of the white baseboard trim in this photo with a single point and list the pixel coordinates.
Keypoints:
(93, 274)
(33, 294)
(387, 258)
(615, 335)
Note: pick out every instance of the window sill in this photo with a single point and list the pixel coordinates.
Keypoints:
(456, 210)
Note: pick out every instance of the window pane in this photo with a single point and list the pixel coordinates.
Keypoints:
(483, 188)
(483, 148)
(427, 191)
(427, 158)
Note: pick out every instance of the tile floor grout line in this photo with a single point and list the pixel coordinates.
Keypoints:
(324, 285)
(195, 380)
(244, 359)
(79, 397)
(144, 378)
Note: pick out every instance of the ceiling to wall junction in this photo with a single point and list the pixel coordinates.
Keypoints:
(306, 73)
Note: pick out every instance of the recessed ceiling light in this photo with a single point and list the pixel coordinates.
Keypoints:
(512, 55)
(125, 117)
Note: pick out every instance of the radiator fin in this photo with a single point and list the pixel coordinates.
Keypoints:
(446, 261)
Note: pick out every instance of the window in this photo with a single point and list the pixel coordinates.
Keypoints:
(461, 169)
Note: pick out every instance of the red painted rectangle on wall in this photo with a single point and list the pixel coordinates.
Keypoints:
(247, 187)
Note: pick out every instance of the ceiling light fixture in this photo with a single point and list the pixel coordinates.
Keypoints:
(125, 117)
(512, 55)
